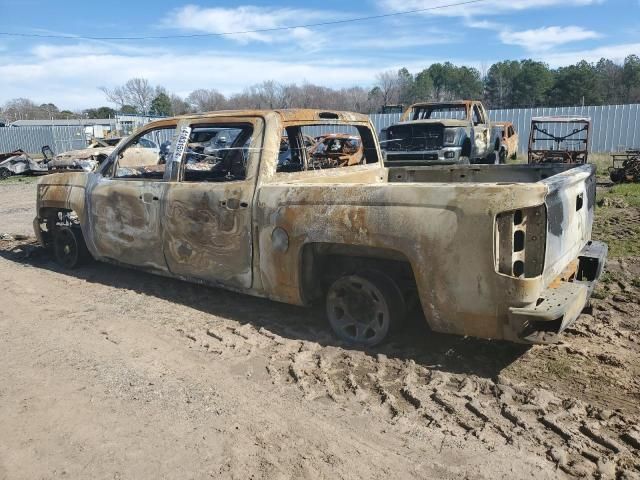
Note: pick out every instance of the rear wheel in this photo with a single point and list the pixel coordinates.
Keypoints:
(364, 307)
(4, 173)
(69, 248)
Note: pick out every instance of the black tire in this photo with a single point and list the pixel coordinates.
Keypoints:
(514, 156)
(617, 175)
(69, 248)
(365, 307)
(503, 156)
(4, 173)
(491, 159)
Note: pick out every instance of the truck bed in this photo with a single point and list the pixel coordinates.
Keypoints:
(478, 173)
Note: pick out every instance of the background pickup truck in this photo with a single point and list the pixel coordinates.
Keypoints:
(491, 251)
(442, 133)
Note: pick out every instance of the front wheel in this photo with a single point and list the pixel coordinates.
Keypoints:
(69, 248)
(363, 308)
(503, 156)
(4, 173)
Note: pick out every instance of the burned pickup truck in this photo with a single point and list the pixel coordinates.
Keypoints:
(490, 251)
(440, 133)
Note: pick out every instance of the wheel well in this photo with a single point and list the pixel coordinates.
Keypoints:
(322, 263)
(49, 217)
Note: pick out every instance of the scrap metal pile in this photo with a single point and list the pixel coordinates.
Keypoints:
(626, 167)
(19, 163)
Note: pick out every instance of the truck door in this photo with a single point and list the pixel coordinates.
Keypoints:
(481, 133)
(124, 202)
(207, 224)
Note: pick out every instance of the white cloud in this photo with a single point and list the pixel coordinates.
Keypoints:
(545, 38)
(245, 18)
(71, 80)
(488, 7)
(617, 53)
(425, 38)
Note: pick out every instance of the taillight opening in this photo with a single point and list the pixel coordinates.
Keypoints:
(521, 242)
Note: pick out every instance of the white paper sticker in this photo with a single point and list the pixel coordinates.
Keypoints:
(181, 143)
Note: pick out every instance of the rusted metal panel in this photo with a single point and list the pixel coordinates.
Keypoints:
(251, 234)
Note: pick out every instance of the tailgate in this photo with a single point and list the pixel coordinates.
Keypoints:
(570, 203)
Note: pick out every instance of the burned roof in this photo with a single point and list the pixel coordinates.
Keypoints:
(286, 115)
(450, 102)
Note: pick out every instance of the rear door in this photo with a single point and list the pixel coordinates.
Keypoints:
(125, 203)
(207, 224)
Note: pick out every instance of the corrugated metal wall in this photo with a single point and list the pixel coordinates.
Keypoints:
(614, 127)
(32, 139)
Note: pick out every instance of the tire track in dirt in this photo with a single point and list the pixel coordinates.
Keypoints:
(578, 438)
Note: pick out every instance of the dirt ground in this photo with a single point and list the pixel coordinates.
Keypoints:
(117, 374)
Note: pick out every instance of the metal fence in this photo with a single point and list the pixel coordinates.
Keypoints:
(32, 139)
(614, 127)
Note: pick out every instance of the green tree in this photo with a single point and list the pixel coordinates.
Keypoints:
(442, 75)
(631, 78)
(161, 105)
(500, 83)
(576, 85)
(467, 83)
(610, 81)
(532, 84)
(451, 82)
(406, 86)
(422, 87)
(101, 112)
(129, 110)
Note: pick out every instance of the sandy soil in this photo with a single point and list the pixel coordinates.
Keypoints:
(112, 373)
(17, 208)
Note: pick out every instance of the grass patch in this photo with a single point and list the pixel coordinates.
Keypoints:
(602, 161)
(629, 192)
(620, 229)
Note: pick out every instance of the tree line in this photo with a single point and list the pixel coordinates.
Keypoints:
(506, 84)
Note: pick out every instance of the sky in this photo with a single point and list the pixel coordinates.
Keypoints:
(69, 71)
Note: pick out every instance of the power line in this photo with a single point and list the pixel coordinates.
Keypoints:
(262, 30)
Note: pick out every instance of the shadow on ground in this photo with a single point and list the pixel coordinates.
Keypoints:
(449, 353)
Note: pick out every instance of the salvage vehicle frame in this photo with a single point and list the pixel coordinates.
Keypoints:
(442, 133)
(555, 153)
(19, 162)
(357, 237)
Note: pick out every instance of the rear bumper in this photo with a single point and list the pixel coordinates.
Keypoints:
(560, 305)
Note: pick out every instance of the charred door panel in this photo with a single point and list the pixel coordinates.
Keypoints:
(207, 231)
(125, 221)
